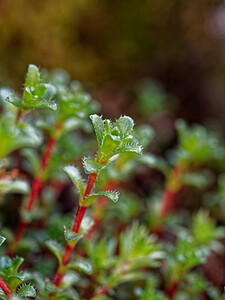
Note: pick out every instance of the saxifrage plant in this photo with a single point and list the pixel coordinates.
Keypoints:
(44, 135)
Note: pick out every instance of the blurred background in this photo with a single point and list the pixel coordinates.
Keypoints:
(112, 46)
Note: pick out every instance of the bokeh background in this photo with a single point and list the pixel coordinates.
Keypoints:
(110, 46)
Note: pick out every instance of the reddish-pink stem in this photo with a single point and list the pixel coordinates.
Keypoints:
(79, 217)
(170, 192)
(101, 292)
(35, 190)
(4, 287)
(77, 222)
(90, 184)
(19, 115)
(69, 249)
(171, 292)
(167, 201)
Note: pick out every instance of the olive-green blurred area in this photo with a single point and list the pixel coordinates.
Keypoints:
(178, 42)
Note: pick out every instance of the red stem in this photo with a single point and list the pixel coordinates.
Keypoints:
(35, 191)
(5, 289)
(19, 115)
(102, 291)
(79, 217)
(38, 182)
(171, 292)
(171, 189)
(77, 222)
(167, 201)
(90, 184)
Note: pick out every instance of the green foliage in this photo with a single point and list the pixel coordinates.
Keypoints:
(114, 138)
(71, 236)
(13, 278)
(113, 196)
(13, 137)
(74, 105)
(137, 250)
(197, 145)
(91, 166)
(80, 265)
(56, 249)
(150, 291)
(116, 253)
(36, 94)
(27, 291)
(192, 248)
(151, 98)
(127, 208)
(205, 230)
(77, 180)
(102, 254)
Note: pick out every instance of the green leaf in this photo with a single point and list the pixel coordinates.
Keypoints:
(132, 276)
(144, 134)
(16, 263)
(13, 138)
(56, 249)
(138, 247)
(76, 178)
(2, 239)
(71, 278)
(32, 77)
(205, 230)
(198, 179)
(113, 196)
(91, 166)
(132, 148)
(99, 127)
(45, 104)
(15, 186)
(27, 291)
(110, 144)
(71, 236)
(5, 262)
(47, 93)
(10, 97)
(102, 254)
(108, 126)
(187, 255)
(50, 287)
(125, 125)
(81, 265)
(197, 145)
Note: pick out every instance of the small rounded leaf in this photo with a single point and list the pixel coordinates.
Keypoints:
(91, 166)
(33, 76)
(27, 291)
(125, 125)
